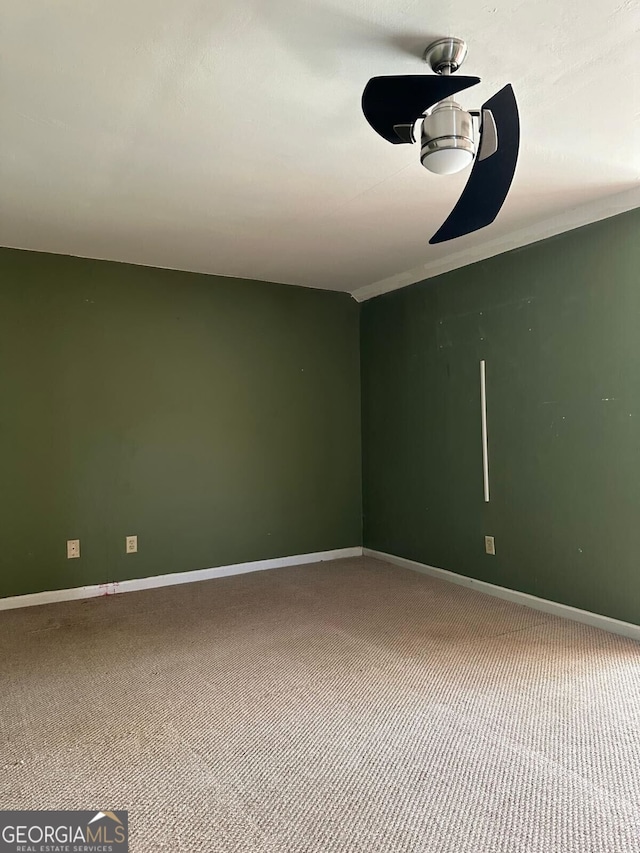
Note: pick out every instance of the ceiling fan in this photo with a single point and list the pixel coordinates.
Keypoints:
(394, 107)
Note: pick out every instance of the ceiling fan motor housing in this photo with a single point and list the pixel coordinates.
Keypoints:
(447, 142)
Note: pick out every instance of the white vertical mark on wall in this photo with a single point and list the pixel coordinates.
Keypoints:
(485, 442)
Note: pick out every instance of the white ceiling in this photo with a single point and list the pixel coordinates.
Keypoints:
(226, 136)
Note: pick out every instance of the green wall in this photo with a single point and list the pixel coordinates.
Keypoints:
(558, 323)
(217, 419)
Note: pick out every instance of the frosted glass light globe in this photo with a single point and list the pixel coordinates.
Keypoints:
(447, 161)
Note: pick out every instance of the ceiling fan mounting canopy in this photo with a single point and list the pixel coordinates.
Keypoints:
(446, 55)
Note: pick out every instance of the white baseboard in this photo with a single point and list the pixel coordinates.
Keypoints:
(116, 587)
(596, 620)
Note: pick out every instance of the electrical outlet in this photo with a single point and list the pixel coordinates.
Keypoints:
(490, 545)
(131, 544)
(73, 549)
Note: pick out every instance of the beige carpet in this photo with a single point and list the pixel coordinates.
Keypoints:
(348, 706)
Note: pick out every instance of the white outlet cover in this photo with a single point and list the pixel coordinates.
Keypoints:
(73, 549)
(490, 545)
(131, 544)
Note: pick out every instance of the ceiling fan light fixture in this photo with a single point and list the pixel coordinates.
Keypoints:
(447, 141)
(447, 161)
(396, 105)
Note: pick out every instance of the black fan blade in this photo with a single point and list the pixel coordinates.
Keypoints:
(490, 179)
(387, 101)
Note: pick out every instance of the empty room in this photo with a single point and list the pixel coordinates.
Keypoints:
(319, 426)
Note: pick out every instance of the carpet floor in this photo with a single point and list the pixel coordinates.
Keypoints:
(346, 707)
